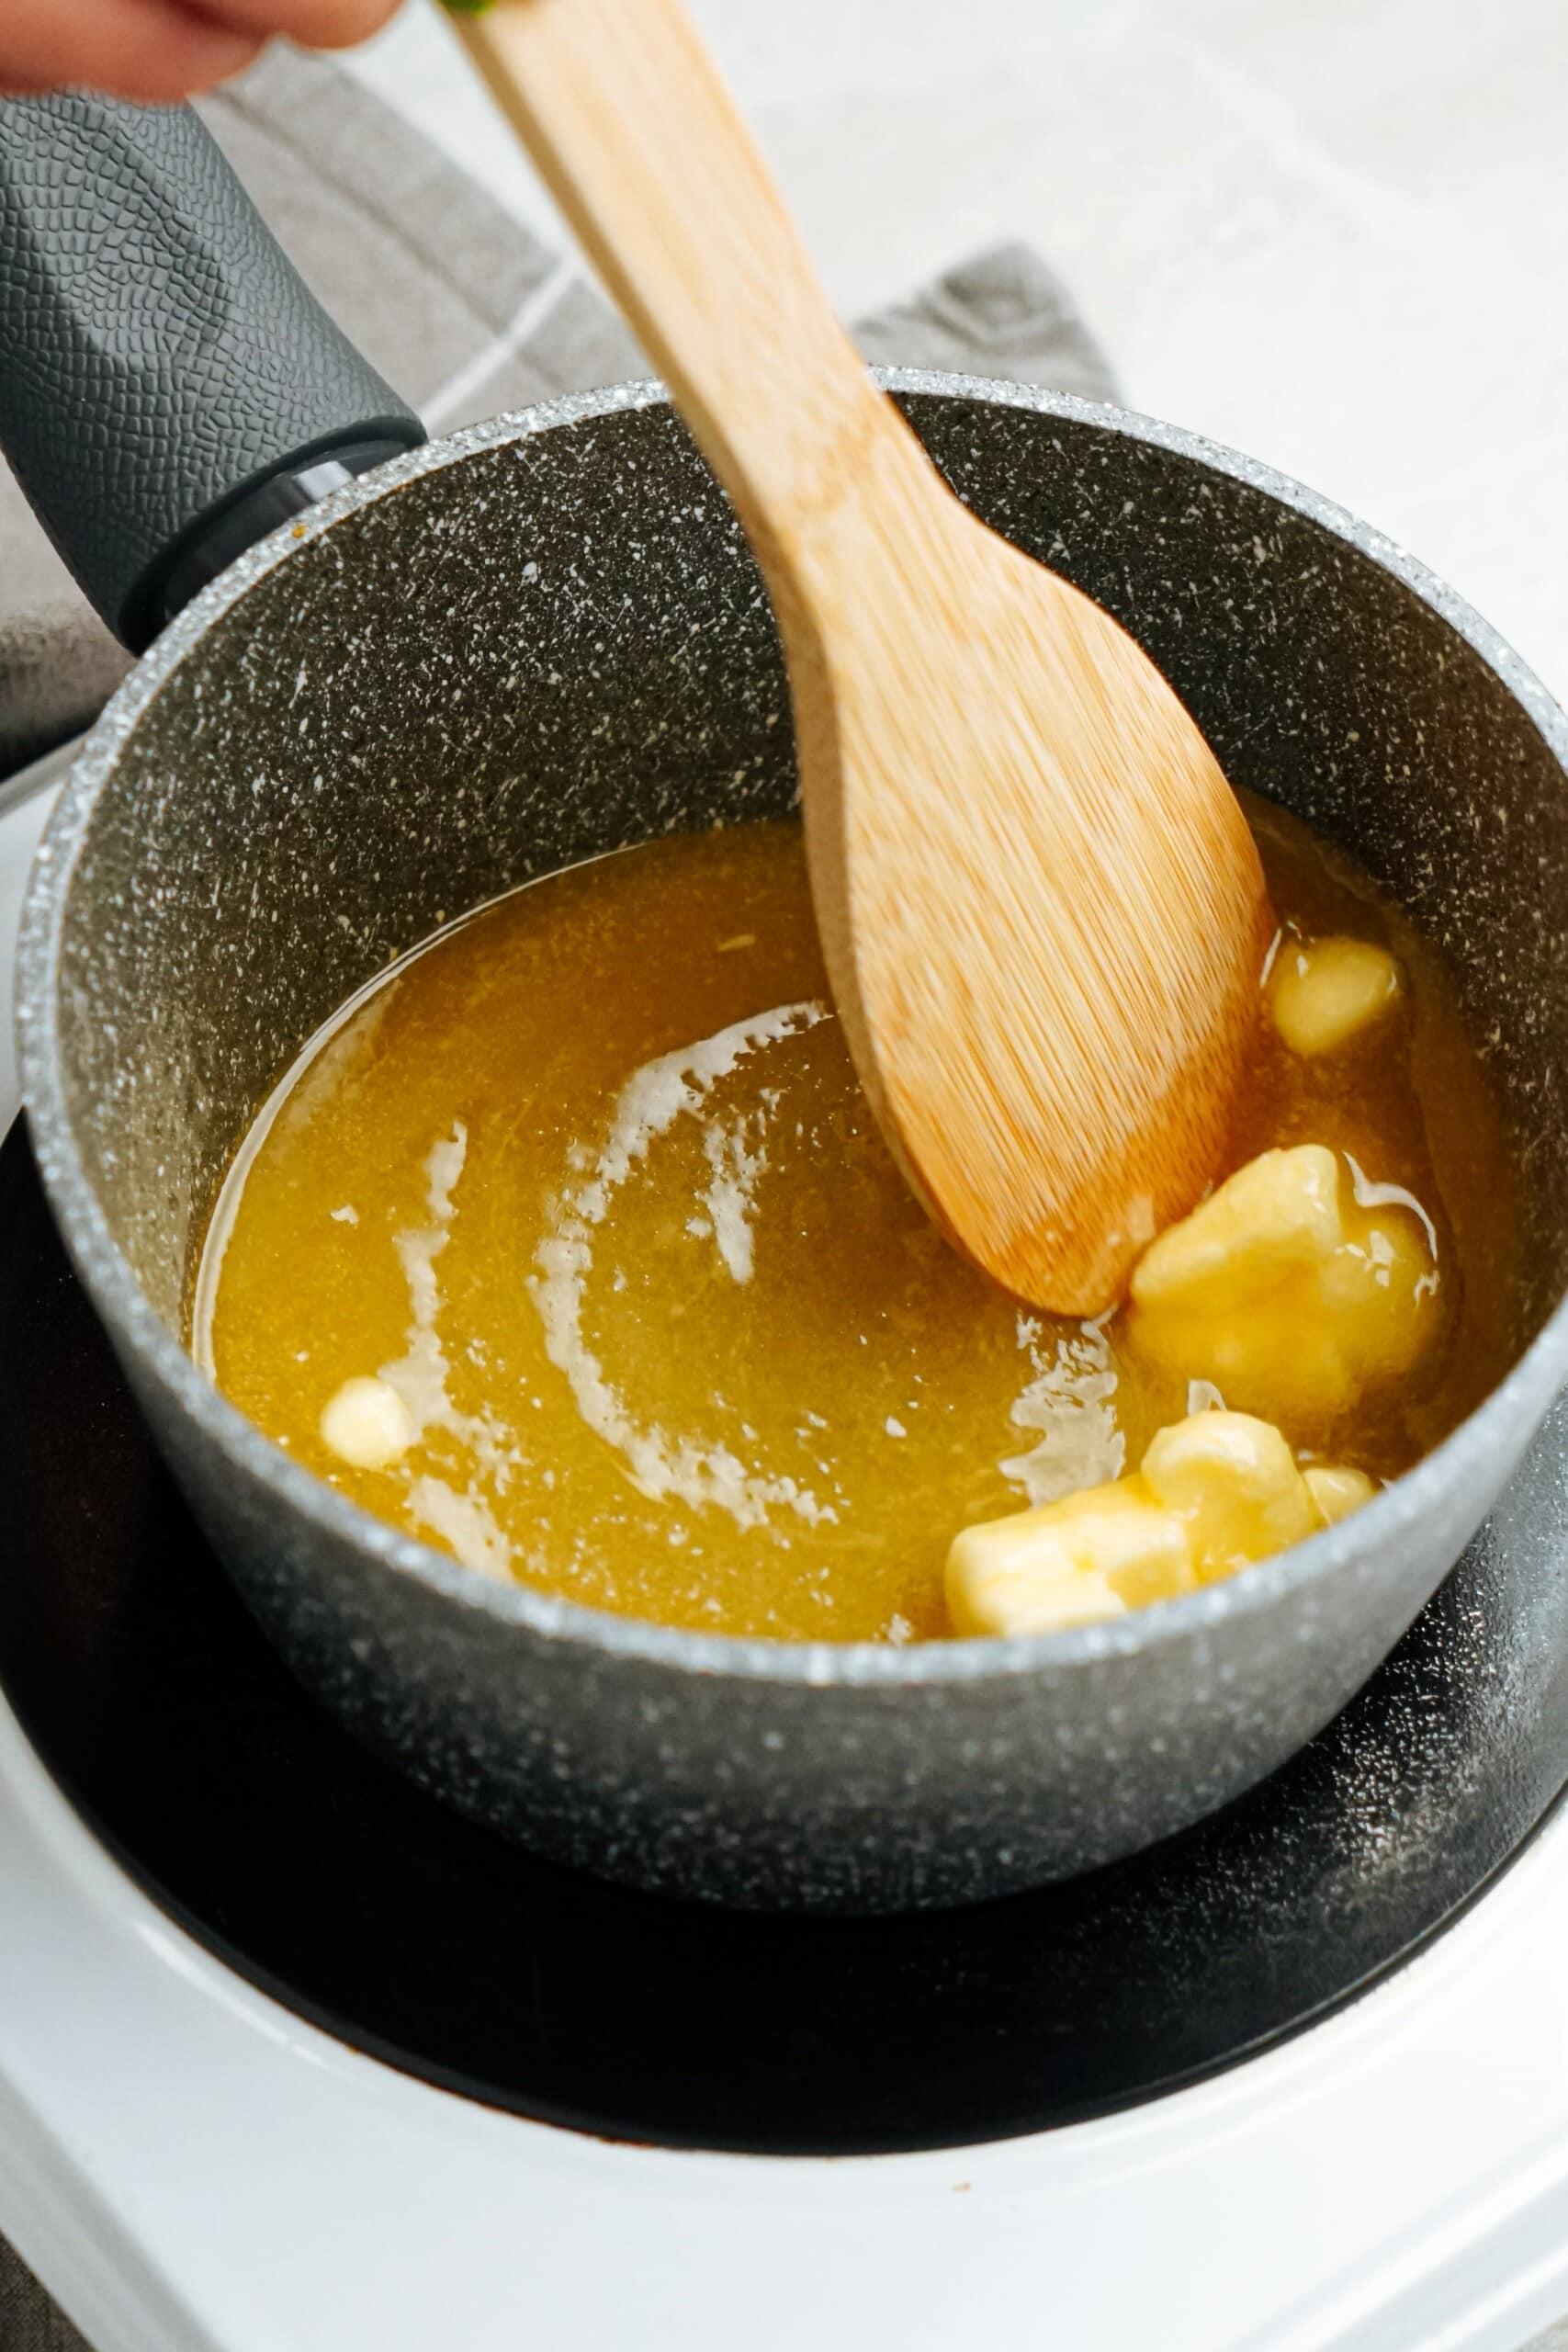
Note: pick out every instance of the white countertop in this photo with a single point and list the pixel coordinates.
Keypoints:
(1332, 234)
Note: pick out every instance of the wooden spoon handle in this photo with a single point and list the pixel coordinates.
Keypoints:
(630, 123)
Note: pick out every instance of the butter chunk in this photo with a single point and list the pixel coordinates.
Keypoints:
(1235, 1483)
(1213, 1493)
(1325, 993)
(1279, 1214)
(1064, 1564)
(1336, 1491)
(1287, 1291)
(367, 1425)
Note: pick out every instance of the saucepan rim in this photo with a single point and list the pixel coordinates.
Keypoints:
(1528, 1387)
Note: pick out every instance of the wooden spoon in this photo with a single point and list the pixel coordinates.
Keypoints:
(1042, 909)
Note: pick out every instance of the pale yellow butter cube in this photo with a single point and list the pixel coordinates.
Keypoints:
(1275, 1217)
(1213, 1493)
(1236, 1482)
(1336, 1490)
(1325, 993)
(367, 1425)
(1092, 1555)
(1287, 1291)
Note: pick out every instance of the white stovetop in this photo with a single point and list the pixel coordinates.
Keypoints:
(191, 2169)
(1333, 233)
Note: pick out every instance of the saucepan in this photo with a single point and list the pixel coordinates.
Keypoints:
(543, 637)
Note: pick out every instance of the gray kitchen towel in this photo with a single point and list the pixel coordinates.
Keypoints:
(467, 314)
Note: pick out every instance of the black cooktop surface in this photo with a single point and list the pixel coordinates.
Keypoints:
(312, 1868)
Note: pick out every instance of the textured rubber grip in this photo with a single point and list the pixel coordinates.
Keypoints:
(160, 359)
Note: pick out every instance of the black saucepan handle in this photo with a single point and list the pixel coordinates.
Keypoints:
(169, 388)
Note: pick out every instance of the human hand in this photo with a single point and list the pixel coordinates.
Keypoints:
(159, 51)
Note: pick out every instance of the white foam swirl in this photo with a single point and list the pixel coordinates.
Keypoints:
(692, 1470)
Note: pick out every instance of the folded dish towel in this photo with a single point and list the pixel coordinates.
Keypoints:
(467, 315)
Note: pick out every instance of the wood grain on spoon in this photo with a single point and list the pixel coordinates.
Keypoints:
(1043, 912)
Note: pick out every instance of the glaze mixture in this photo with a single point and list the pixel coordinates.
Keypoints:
(572, 1248)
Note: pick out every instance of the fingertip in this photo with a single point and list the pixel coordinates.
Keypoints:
(313, 24)
(227, 53)
(349, 22)
(195, 66)
(153, 52)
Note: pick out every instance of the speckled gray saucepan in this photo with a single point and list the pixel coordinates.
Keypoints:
(545, 639)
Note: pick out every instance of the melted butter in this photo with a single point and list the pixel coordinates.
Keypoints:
(588, 1185)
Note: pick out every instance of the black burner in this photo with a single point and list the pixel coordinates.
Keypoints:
(313, 1870)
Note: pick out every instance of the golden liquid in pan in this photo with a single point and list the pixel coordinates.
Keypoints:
(590, 1182)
